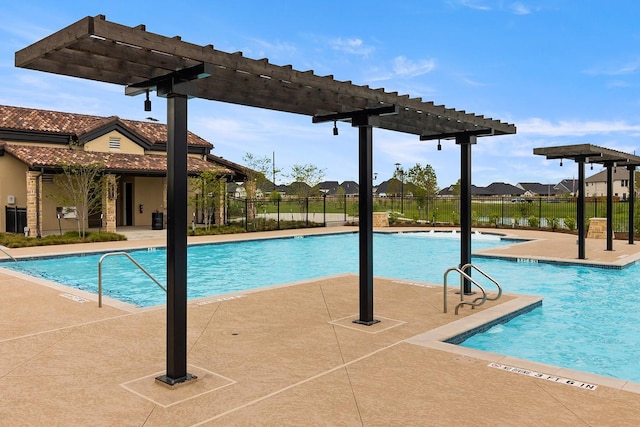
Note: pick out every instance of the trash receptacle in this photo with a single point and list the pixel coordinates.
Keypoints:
(157, 221)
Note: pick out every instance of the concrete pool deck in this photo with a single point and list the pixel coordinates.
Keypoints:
(288, 355)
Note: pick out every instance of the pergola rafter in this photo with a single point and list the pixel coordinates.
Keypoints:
(96, 49)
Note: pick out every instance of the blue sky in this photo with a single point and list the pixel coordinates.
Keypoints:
(564, 72)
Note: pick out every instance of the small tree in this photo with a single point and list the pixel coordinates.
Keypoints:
(424, 178)
(308, 174)
(80, 186)
(209, 191)
(256, 171)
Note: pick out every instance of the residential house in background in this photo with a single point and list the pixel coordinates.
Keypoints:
(567, 187)
(535, 189)
(35, 145)
(596, 185)
(475, 191)
(502, 189)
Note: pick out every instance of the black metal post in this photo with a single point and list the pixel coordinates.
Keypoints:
(610, 207)
(176, 241)
(324, 210)
(632, 201)
(278, 202)
(581, 210)
(365, 215)
(465, 142)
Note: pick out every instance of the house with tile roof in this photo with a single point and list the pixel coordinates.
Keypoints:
(35, 145)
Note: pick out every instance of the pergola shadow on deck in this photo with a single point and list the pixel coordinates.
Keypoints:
(96, 49)
(587, 153)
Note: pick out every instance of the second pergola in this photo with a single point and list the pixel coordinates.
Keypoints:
(584, 154)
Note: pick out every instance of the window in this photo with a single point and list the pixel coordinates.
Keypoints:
(114, 144)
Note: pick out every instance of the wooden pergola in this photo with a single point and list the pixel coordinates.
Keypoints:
(96, 49)
(587, 153)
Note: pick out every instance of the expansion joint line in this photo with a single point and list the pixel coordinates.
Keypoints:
(282, 390)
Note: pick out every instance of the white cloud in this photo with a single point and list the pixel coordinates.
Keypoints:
(540, 126)
(271, 49)
(520, 9)
(352, 46)
(630, 67)
(405, 67)
(474, 4)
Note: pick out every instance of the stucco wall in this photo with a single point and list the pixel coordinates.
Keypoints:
(101, 144)
(12, 183)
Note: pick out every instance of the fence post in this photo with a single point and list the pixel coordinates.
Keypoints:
(278, 202)
(306, 201)
(345, 207)
(324, 210)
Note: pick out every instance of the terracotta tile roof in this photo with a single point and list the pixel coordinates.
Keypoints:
(49, 157)
(30, 119)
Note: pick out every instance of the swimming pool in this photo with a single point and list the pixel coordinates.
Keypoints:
(230, 267)
(587, 321)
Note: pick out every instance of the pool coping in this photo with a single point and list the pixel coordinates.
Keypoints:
(442, 338)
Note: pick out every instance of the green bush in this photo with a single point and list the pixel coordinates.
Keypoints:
(534, 221)
(21, 241)
(570, 223)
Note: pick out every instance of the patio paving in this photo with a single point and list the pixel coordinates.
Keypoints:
(287, 355)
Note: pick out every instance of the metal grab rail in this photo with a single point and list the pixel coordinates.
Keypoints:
(494, 281)
(133, 261)
(478, 301)
(8, 254)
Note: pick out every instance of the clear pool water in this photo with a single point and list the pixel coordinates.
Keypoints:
(588, 320)
(229, 267)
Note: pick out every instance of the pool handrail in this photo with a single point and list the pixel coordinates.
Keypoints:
(494, 281)
(463, 275)
(133, 261)
(8, 254)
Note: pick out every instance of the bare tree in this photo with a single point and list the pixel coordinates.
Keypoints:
(257, 169)
(80, 187)
(209, 191)
(306, 179)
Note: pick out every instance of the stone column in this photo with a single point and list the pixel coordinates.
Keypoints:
(220, 212)
(34, 203)
(251, 194)
(109, 198)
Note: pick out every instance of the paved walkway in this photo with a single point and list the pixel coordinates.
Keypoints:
(288, 355)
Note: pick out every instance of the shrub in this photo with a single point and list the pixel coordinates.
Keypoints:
(534, 221)
(570, 223)
(20, 241)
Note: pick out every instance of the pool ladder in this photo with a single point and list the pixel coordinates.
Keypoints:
(462, 271)
(133, 261)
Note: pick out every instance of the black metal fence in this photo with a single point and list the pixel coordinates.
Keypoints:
(536, 212)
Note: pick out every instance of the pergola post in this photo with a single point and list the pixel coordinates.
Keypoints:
(176, 241)
(610, 167)
(465, 141)
(580, 210)
(632, 201)
(365, 218)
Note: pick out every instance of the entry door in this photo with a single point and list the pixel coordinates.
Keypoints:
(128, 203)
